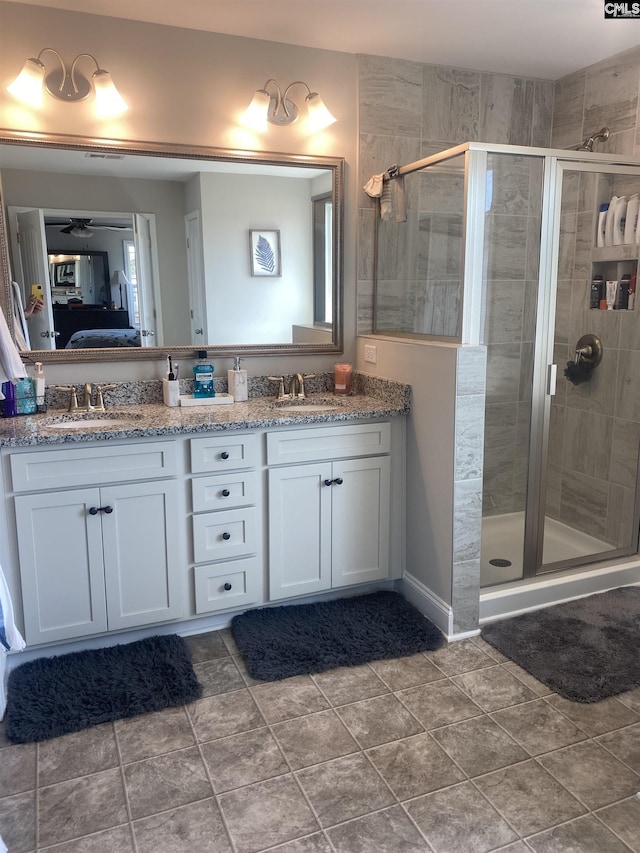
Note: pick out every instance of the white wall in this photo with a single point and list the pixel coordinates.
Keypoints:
(241, 307)
(186, 87)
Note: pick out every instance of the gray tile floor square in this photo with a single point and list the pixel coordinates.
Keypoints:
(452, 751)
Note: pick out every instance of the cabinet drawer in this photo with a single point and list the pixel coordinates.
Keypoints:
(224, 491)
(223, 453)
(222, 535)
(322, 443)
(83, 466)
(221, 586)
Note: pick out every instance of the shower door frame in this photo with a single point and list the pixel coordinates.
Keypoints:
(545, 370)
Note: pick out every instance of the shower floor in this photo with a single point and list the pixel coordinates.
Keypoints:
(503, 536)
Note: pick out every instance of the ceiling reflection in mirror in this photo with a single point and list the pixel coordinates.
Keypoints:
(128, 249)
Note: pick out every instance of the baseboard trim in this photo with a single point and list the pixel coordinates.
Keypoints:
(547, 590)
(433, 607)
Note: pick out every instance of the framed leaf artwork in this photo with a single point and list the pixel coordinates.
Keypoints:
(265, 252)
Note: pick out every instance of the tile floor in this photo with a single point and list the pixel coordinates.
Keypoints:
(455, 751)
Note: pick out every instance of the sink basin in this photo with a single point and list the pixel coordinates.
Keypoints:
(308, 405)
(89, 420)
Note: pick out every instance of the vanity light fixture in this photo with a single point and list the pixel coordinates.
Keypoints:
(277, 108)
(67, 84)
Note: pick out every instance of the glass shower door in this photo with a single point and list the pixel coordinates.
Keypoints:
(510, 275)
(589, 481)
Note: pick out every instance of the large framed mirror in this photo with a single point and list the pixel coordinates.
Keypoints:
(234, 252)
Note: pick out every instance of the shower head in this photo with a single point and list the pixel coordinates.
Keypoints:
(587, 144)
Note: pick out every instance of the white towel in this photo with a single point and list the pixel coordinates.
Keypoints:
(11, 366)
(10, 639)
(20, 327)
(373, 187)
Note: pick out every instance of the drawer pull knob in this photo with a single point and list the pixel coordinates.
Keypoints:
(338, 481)
(224, 455)
(226, 536)
(225, 493)
(94, 510)
(328, 482)
(227, 586)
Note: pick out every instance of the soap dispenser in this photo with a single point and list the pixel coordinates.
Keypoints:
(237, 380)
(203, 376)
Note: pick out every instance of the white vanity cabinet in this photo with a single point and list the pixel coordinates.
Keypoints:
(104, 556)
(329, 508)
(226, 523)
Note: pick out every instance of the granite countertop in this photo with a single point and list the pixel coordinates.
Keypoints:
(147, 419)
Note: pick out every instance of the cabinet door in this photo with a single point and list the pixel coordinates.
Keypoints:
(142, 554)
(360, 520)
(299, 530)
(61, 565)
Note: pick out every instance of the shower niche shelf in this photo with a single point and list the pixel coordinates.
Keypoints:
(613, 262)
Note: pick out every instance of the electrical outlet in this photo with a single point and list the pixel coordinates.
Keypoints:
(370, 353)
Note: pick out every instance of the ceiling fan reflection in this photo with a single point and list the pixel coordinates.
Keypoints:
(77, 227)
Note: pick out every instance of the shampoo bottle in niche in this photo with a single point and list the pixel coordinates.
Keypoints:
(597, 291)
(631, 224)
(619, 220)
(237, 381)
(602, 225)
(203, 376)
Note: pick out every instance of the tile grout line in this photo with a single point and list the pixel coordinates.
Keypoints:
(127, 804)
(210, 780)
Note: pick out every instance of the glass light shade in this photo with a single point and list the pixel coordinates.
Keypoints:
(255, 116)
(109, 101)
(27, 87)
(319, 115)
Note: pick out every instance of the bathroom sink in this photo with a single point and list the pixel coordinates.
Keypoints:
(308, 405)
(88, 420)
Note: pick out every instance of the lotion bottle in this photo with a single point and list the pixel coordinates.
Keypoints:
(237, 381)
(619, 221)
(39, 387)
(631, 224)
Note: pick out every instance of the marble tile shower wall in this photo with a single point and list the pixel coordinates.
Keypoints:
(419, 260)
(409, 110)
(595, 428)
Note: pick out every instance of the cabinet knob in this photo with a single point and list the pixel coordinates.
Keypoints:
(338, 481)
(328, 482)
(226, 536)
(93, 510)
(224, 455)
(227, 586)
(225, 493)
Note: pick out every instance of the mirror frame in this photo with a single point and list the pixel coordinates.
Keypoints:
(193, 152)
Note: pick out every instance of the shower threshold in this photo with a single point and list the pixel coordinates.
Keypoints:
(502, 542)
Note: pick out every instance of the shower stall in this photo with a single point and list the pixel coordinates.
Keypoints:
(497, 246)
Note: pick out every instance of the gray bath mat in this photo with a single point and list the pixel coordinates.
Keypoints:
(298, 639)
(53, 696)
(585, 650)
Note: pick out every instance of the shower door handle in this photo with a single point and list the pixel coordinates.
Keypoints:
(552, 375)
